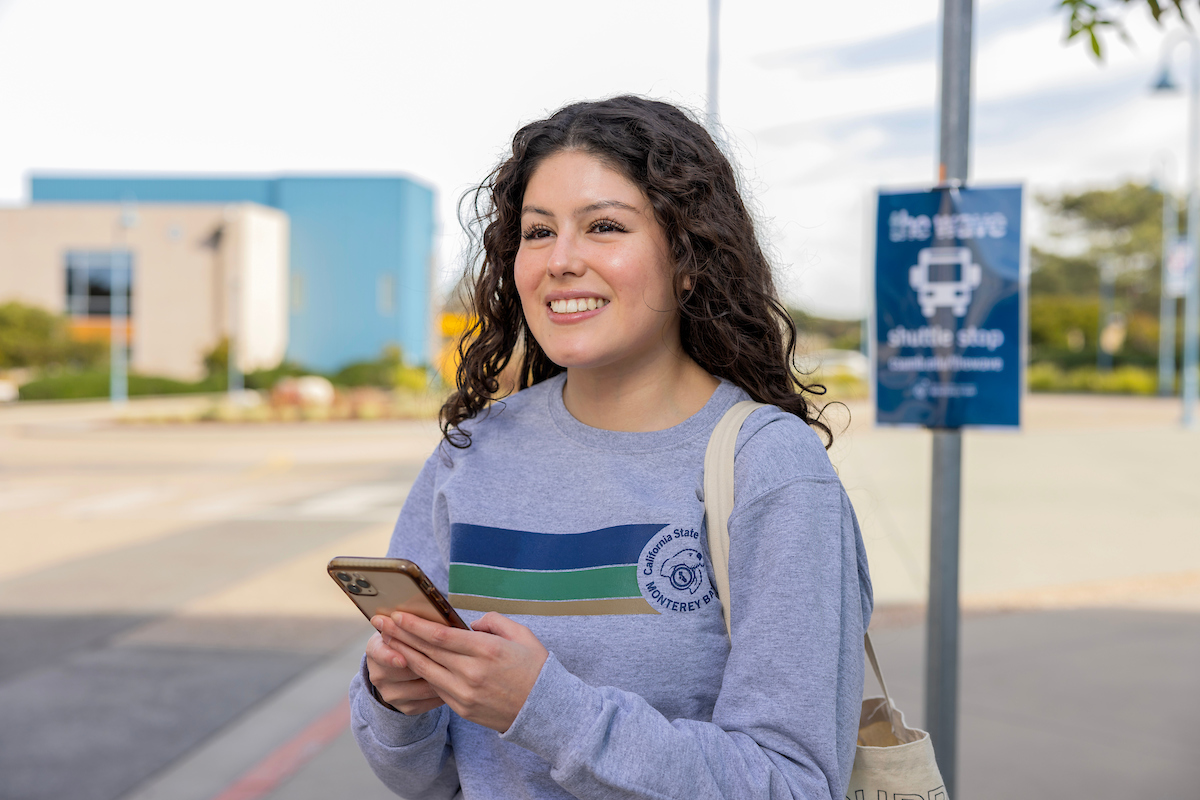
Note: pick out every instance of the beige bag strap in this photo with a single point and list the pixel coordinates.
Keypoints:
(882, 685)
(718, 505)
(718, 495)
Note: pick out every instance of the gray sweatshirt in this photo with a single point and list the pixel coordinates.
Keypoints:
(596, 541)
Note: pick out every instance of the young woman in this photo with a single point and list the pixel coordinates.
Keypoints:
(567, 520)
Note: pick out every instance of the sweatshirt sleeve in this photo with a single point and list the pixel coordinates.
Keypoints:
(410, 754)
(786, 718)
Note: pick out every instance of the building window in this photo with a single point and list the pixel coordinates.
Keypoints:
(385, 295)
(91, 277)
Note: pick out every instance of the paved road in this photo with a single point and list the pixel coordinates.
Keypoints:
(168, 632)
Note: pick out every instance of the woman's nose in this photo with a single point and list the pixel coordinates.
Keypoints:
(565, 258)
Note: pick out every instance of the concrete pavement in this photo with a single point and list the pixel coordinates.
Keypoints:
(168, 629)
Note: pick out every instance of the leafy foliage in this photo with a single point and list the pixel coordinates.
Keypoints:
(389, 371)
(33, 337)
(81, 385)
(216, 368)
(1087, 19)
(1123, 380)
(1121, 226)
(839, 334)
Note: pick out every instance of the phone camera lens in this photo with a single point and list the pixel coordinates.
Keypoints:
(354, 589)
(343, 576)
(364, 584)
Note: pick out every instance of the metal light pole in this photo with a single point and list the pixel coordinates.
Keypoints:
(1191, 305)
(120, 281)
(1108, 282)
(1166, 302)
(236, 382)
(942, 623)
(714, 36)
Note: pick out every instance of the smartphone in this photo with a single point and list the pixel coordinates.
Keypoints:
(387, 585)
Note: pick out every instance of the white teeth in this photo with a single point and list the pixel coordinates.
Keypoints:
(577, 304)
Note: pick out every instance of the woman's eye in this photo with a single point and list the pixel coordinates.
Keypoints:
(536, 233)
(606, 226)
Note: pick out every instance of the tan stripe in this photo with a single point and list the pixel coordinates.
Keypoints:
(566, 608)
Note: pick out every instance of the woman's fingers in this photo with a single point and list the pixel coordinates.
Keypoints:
(425, 668)
(485, 675)
(505, 628)
(429, 637)
(380, 651)
(396, 683)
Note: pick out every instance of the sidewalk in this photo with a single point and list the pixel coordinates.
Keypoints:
(1080, 579)
(1097, 704)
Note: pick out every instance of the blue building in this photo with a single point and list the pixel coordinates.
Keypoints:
(360, 252)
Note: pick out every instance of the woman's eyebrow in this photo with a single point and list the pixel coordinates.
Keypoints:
(597, 206)
(600, 204)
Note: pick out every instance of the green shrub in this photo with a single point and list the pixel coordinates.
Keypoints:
(33, 337)
(1046, 377)
(365, 373)
(264, 379)
(1052, 318)
(82, 385)
(389, 371)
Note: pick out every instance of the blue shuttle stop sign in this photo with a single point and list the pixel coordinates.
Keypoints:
(948, 348)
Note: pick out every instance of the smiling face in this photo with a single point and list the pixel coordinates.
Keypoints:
(593, 268)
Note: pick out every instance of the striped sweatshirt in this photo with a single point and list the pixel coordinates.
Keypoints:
(595, 540)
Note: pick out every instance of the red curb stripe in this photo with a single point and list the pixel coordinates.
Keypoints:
(288, 758)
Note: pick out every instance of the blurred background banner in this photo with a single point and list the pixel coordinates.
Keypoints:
(948, 304)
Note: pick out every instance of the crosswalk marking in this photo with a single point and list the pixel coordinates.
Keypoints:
(120, 501)
(354, 501)
(369, 501)
(28, 496)
(248, 501)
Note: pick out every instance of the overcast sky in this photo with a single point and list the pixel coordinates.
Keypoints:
(822, 102)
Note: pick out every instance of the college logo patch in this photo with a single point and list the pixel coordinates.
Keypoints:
(672, 574)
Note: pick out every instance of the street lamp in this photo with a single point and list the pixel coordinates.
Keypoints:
(1191, 309)
(1171, 252)
(120, 288)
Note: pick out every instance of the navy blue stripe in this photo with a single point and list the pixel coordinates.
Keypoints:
(498, 547)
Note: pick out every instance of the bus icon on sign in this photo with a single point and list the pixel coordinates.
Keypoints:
(944, 277)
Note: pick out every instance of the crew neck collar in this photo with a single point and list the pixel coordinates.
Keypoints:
(700, 423)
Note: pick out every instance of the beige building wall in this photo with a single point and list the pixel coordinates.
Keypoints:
(262, 324)
(184, 274)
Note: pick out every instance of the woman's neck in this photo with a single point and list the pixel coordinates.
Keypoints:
(651, 399)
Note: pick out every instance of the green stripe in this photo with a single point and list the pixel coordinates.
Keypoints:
(612, 606)
(577, 584)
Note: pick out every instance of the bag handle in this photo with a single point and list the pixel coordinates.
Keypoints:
(887, 698)
(718, 505)
(718, 495)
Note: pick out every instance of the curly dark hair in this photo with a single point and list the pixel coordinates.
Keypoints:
(731, 320)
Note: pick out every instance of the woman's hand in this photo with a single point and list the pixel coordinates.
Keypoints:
(485, 675)
(389, 674)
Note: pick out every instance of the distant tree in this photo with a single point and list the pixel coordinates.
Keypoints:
(840, 334)
(1121, 225)
(1089, 18)
(34, 337)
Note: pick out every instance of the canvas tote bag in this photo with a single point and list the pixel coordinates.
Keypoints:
(892, 761)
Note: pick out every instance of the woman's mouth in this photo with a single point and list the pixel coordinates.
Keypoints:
(576, 305)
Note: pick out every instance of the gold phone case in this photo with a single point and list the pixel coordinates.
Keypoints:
(386, 585)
